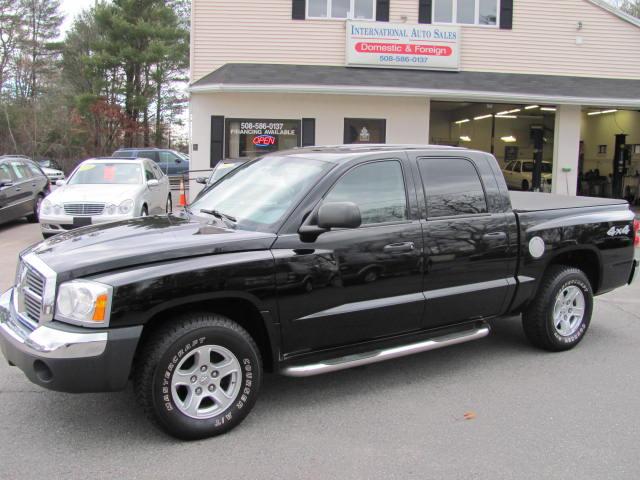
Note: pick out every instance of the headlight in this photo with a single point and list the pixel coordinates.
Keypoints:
(126, 206)
(46, 207)
(84, 302)
(110, 209)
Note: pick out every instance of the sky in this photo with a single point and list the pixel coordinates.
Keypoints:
(70, 8)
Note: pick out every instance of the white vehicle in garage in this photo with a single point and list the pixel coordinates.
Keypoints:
(519, 174)
(105, 190)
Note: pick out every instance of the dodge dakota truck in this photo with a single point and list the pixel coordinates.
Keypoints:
(305, 262)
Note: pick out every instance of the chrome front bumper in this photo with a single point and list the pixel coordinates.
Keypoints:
(64, 357)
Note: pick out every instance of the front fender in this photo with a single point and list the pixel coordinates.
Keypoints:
(144, 291)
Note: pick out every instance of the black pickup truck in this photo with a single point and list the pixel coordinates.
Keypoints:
(305, 262)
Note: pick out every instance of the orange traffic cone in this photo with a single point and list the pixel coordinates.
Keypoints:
(183, 198)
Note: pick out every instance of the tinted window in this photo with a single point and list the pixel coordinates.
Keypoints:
(20, 170)
(378, 190)
(452, 187)
(168, 157)
(517, 167)
(150, 154)
(509, 166)
(124, 154)
(5, 173)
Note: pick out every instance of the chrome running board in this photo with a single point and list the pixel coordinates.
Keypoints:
(366, 358)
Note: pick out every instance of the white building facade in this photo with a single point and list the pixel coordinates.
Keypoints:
(552, 81)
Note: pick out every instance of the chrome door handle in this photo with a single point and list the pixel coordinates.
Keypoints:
(399, 247)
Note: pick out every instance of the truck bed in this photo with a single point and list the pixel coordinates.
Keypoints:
(534, 201)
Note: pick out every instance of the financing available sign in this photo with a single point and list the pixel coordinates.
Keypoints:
(402, 45)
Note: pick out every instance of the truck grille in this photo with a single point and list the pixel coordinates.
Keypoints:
(34, 289)
(83, 209)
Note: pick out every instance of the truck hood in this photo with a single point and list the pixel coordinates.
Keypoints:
(110, 246)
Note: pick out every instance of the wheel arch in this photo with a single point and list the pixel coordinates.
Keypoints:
(237, 307)
(583, 258)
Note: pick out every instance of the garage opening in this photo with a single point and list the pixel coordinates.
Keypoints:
(520, 137)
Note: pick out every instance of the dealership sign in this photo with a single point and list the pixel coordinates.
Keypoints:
(402, 45)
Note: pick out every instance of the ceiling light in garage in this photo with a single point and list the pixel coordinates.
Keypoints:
(509, 139)
(548, 109)
(506, 116)
(462, 121)
(482, 117)
(465, 138)
(531, 107)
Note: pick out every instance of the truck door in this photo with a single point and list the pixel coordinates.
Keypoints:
(467, 256)
(352, 285)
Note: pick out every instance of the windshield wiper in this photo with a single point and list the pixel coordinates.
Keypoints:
(219, 214)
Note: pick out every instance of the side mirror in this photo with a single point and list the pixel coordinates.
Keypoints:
(202, 180)
(153, 183)
(60, 183)
(339, 215)
(178, 160)
(332, 215)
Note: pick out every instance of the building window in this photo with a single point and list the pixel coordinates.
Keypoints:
(364, 130)
(254, 137)
(466, 12)
(342, 9)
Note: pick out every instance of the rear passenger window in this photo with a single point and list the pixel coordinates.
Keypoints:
(452, 187)
(150, 154)
(378, 190)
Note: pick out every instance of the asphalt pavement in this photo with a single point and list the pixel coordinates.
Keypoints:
(529, 414)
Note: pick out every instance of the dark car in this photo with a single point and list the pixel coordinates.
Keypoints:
(169, 161)
(305, 262)
(23, 186)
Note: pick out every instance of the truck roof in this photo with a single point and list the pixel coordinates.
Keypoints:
(335, 153)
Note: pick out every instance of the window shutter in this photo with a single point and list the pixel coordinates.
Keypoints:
(506, 14)
(217, 140)
(424, 11)
(308, 132)
(298, 8)
(382, 10)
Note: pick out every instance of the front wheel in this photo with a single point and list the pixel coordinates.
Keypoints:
(35, 216)
(198, 376)
(559, 316)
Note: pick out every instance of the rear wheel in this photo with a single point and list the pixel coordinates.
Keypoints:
(35, 216)
(525, 186)
(199, 376)
(559, 316)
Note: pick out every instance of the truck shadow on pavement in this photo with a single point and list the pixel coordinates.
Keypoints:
(121, 417)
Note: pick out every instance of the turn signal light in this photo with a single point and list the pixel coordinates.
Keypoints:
(636, 233)
(100, 309)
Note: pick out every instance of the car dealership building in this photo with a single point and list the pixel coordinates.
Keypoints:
(528, 80)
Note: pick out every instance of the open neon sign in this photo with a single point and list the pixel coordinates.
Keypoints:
(264, 140)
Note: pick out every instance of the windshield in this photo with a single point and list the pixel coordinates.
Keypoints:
(260, 192)
(107, 174)
(528, 167)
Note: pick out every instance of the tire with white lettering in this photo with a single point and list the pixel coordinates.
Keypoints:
(559, 316)
(198, 376)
